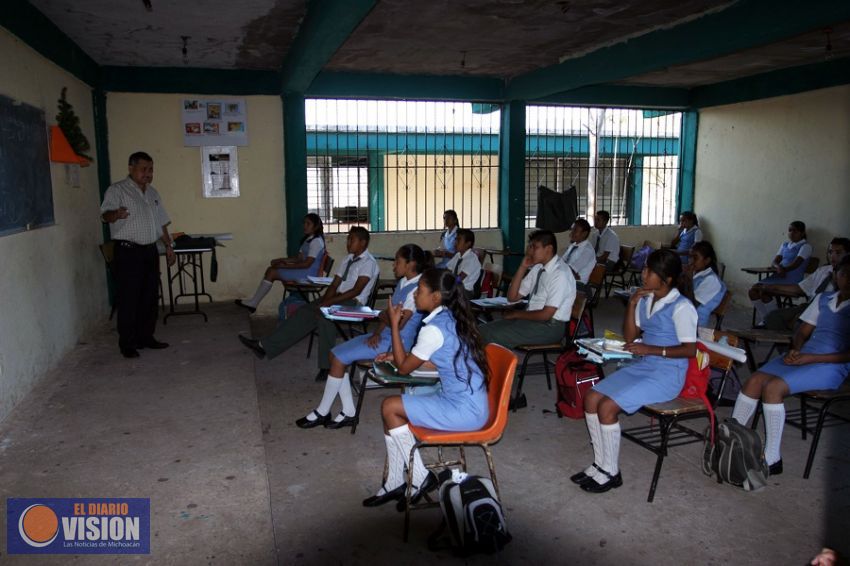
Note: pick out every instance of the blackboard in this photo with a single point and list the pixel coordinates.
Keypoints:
(26, 193)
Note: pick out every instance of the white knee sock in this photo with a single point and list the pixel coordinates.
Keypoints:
(331, 389)
(774, 422)
(348, 408)
(395, 466)
(744, 408)
(262, 291)
(592, 420)
(405, 441)
(763, 309)
(610, 434)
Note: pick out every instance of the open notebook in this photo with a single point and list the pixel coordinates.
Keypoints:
(387, 373)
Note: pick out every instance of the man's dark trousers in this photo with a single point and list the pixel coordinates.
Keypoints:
(136, 272)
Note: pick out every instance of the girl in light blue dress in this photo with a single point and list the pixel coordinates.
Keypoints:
(790, 262)
(666, 321)
(307, 262)
(708, 289)
(448, 341)
(688, 235)
(410, 262)
(446, 250)
(819, 359)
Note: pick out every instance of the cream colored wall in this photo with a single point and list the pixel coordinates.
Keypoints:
(151, 123)
(52, 283)
(763, 164)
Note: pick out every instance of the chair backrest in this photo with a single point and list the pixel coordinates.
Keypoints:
(813, 264)
(721, 270)
(595, 282)
(626, 253)
(107, 250)
(327, 265)
(373, 294)
(721, 309)
(485, 283)
(502, 364)
(575, 317)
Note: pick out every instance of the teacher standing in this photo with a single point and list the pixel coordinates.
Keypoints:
(137, 219)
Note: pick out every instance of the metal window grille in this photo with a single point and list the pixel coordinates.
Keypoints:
(620, 160)
(398, 165)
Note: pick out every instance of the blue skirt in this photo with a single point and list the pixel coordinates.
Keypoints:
(777, 280)
(809, 377)
(440, 412)
(357, 349)
(653, 379)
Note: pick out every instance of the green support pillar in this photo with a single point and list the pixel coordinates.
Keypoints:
(687, 162)
(376, 191)
(512, 180)
(101, 142)
(635, 198)
(295, 168)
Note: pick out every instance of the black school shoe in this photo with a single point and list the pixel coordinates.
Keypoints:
(253, 345)
(775, 468)
(430, 483)
(592, 486)
(582, 477)
(239, 303)
(391, 495)
(320, 420)
(346, 421)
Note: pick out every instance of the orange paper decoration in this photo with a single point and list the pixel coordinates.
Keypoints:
(60, 149)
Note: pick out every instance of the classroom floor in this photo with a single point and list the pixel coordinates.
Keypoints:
(206, 431)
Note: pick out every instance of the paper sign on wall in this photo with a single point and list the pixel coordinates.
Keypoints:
(214, 121)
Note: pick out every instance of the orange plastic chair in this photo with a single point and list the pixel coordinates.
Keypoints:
(502, 364)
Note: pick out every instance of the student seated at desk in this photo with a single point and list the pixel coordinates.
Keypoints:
(818, 282)
(465, 263)
(607, 244)
(550, 287)
(410, 262)
(449, 341)
(708, 289)
(819, 359)
(352, 284)
(790, 263)
(666, 321)
(446, 250)
(307, 262)
(688, 235)
(580, 257)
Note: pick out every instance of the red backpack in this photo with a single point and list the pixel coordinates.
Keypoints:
(574, 376)
(696, 381)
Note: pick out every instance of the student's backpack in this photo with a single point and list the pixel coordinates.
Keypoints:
(574, 376)
(696, 381)
(472, 515)
(736, 456)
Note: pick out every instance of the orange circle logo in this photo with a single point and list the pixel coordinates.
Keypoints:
(38, 525)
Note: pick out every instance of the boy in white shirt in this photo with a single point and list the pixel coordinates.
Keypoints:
(608, 244)
(580, 256)
(465, 263)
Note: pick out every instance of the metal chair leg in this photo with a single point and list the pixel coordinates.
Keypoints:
(361, 394)
(662, 452)
(518, 393)
(488, 454)
(815, 438)
(546, 369)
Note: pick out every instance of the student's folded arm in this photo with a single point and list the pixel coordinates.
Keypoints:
(804, 331)
(352, 293)
(409, 364)
(602, 258)
(300, 262)
(330, 293)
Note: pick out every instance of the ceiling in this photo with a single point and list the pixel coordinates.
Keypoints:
(501, 39)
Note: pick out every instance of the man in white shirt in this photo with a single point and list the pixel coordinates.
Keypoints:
(818, 282)
(548, 284)
(465, 263)
(137, 219)
(580, 256)
(352, 285)
(608, 244)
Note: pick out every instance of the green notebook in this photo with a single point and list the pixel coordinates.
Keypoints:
(386, 373)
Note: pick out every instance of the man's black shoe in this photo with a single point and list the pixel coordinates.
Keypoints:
(253, 345)
(129, 352)
(153, 344)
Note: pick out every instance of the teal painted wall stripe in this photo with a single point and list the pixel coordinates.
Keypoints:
(635, 196)
(687, 161)
(295, 168)
(101, 143)
(34, 28)
(512, 180)
(322, 31)
(190, 80)
(409, 87)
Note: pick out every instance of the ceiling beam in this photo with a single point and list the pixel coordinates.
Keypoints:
(34, 28)
(622, 96)
(746, 24)
(410, 87)
(323, 30)
(189, 80)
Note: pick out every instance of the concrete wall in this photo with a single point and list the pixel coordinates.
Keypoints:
(52, 281)
(763, 164)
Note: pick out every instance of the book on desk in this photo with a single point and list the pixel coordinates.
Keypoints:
(387, 374)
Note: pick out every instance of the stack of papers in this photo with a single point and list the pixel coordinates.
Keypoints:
(320, 280)
(599, 350)
(349, 314)
(496, 302)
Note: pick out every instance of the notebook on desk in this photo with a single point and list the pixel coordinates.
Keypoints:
(387, 374)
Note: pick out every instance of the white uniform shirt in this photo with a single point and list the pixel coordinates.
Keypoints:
(363, 265)
(810, 284)
(429, 339)
(707, 289)
(812, 312)
(593, 237)
(409, 301)
(608, 242)
(581, 258)
(557, 288)
(684, 315)
(147, 213)
(469, 264)
(315, 247)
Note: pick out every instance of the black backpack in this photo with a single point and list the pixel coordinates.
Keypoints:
(736, 456)
(473, 517)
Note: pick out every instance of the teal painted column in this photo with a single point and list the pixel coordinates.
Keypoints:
(294, 167)
(687, 162)
(101, 143)
(635, 199)
(512, 180)
(376, 191)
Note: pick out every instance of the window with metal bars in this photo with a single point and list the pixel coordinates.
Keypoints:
(396, 165)
(620, 160)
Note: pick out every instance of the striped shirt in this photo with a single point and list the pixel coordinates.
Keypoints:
(147, 213)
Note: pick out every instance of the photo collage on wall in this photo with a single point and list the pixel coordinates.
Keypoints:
(214, 122)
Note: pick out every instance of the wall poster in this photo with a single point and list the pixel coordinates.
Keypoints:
(217, 121)
(220, 170)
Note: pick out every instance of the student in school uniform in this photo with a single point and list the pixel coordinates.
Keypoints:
(790, 263)
(607, 245)
(708, 289)
(819, 359)
(447, 248)
(352, 284)
(580, 257)
(666, 321)
(465, 263)
(818, 282)
(410, 262)
(689, 234)
(448, 341)
(550, 287)
(307, 262)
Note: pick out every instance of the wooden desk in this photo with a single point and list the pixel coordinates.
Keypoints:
(749, 337)
(189, 266)
(760, 271)
(504, 253)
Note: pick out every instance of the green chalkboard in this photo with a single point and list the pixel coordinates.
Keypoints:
(26, 193)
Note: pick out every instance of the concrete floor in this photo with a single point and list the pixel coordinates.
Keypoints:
(207, 432)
